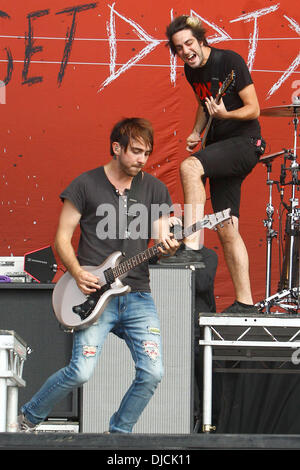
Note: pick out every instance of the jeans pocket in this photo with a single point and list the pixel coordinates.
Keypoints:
(144, 295)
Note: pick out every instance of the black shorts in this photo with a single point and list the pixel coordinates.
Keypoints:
(226, 164)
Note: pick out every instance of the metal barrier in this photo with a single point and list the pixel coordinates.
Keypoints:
(13, 353)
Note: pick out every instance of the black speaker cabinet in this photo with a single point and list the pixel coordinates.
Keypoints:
(27, 309)
(170, 410)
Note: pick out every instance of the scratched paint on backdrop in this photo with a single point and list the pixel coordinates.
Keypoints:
(68, 73)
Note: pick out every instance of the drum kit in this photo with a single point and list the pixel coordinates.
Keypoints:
(287, 298)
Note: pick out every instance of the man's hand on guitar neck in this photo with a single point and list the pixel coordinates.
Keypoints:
(216, 110)
(171, 245)
(162, 234)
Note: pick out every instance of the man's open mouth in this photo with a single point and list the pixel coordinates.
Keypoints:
(191, 57)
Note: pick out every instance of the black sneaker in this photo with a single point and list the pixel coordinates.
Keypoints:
(237, 307)
(183, 257)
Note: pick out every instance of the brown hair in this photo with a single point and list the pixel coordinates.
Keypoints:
(131, 128)
(185, 22)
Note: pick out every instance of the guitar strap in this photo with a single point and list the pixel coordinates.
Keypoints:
(215, 80)
(132, 198)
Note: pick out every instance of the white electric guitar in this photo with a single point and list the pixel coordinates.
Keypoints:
(76, 311)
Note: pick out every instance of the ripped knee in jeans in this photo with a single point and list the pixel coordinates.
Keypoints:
(89, 351)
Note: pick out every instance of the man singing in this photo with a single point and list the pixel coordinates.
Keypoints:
(231, 150)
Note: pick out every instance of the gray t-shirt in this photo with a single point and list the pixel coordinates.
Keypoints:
(104, 221)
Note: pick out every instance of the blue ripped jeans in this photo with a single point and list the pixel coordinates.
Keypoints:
(132, 317)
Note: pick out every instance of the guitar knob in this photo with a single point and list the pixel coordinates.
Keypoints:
(77, 309)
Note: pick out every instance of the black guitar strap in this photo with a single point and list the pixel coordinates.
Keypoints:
(132, 198)
(215, 80)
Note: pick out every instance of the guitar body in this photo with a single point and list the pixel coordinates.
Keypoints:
(76, 311)
(67, 296)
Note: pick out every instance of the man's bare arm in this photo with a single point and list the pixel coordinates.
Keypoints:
(68, 221)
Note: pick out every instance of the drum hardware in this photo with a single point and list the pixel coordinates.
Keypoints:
(276, 298)
(271, 233)
(287, 296)
(268, 222)
(288, 287)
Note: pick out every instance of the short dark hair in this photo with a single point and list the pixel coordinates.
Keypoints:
(131, 128)
(185, 22)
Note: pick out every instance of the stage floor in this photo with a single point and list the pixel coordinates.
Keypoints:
(151, 443)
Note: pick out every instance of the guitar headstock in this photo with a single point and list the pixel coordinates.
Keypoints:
(212, 220)
(227, 82)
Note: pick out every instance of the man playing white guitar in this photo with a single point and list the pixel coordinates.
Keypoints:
(133, 316)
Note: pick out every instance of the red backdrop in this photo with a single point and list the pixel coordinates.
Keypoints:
(70, 71)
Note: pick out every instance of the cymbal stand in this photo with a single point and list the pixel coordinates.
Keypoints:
(271, 233)
(294, 201)
(276, 299)
(293, 214)
(293, 211)
(291, 294)
(293, 217)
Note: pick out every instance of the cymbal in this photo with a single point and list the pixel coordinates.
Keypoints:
(271, 157)
(289, 110)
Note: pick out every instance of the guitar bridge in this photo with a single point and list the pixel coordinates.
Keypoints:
(86, 308)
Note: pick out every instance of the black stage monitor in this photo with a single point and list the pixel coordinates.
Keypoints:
(41, 264)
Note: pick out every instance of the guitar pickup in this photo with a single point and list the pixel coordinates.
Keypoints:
(109, 276)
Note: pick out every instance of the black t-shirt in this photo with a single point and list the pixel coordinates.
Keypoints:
(201, 82)
(104, 221)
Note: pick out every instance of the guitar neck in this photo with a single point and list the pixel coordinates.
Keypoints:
(218, 97)
(136, 260)
(149, 253)
(208, 125)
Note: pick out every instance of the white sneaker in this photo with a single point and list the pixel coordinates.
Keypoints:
(24, 425)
